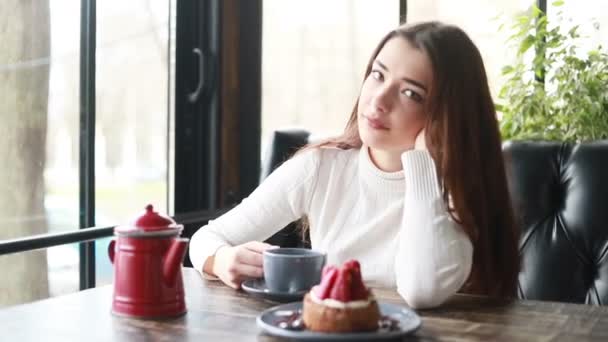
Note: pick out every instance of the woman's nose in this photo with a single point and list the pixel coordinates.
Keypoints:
(381, 100)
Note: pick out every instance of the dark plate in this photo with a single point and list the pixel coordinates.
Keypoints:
(402, 320)
(258, 288)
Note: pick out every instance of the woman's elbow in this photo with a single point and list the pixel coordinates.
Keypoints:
(429, 290)
(419, 297)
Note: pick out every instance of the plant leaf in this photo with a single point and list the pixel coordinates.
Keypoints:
(525, 45)
(507, 69)
(558, 92)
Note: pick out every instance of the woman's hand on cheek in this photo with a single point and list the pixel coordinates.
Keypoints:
(420, 143)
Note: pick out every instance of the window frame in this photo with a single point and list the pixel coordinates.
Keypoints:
(200, 155)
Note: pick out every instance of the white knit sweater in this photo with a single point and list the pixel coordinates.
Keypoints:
(395, 224)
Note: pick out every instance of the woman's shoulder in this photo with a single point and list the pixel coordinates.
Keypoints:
(328, 154)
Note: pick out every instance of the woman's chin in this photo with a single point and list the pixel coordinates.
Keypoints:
(380, 144)
(375, 142)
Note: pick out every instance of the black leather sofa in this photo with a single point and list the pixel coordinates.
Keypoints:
(560, 198)
(560, 194)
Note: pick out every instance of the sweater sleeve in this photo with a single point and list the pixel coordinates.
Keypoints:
(435, 255)
(280, 199)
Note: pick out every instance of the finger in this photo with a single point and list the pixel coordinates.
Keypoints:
(249, 257)
(234, 284)
(420, 140)
(257, 246)
(249, 271)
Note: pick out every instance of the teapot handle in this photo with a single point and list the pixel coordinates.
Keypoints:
(111, 250)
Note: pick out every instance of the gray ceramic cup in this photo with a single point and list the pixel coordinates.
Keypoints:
(292, 269)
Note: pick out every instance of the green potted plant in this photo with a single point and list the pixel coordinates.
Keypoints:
(554, 90)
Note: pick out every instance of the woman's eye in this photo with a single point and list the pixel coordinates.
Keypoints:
(377, 75)
(412, 94)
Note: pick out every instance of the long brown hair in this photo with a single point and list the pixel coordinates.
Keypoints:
(463, 139)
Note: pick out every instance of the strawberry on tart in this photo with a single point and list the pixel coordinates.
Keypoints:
(341, 302)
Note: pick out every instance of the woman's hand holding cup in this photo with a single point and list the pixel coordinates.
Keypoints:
(235, 264)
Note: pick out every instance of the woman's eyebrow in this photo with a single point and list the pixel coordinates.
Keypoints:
(406, 79)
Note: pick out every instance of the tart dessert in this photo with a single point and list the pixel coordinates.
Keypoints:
(341, 302)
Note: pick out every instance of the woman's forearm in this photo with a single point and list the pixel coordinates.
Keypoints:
(280, 199)
(203, 247)
(435, 255)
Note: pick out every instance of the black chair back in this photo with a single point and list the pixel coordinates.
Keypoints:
(559, 193)
(283, 144)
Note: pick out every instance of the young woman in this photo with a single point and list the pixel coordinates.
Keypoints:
(414, 188)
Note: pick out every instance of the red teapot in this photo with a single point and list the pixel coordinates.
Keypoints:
(147, 257)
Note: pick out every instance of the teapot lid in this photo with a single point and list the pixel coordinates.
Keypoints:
(149, 222)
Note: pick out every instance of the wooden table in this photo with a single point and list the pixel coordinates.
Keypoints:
(218, 313)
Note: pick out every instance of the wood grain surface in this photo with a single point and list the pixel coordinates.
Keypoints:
(219, 313)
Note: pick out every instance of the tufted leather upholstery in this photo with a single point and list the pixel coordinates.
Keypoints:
(560, 196)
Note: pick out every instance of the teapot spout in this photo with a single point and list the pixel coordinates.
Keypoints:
(173, 260)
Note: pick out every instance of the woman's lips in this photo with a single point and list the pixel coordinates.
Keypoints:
(375, 124)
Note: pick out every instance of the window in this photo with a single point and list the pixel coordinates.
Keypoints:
(586, 13)
(40, 109)
(314, 55)
(479, 19)
(132, 115)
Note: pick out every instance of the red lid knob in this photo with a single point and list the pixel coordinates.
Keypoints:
(150, 224)
(152, 221)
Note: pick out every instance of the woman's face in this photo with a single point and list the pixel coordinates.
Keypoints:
(391, 103)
